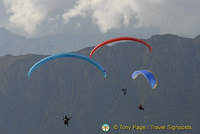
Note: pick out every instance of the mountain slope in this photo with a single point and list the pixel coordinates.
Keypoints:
(35, 105)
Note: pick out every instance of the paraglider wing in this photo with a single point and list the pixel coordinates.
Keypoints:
(119, 39)
(149, 76)
(73, 55)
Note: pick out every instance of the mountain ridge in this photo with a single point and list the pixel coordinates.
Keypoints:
(14, 44)
(35, 105)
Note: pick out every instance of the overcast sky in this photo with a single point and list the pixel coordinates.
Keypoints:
(86, 17)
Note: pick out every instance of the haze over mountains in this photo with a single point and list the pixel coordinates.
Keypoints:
(14, 44)
(35, 105)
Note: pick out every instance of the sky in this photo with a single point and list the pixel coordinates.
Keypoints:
(143, 18)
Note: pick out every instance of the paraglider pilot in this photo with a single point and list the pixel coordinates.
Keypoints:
(140, 107)
(66, 119)
(124, 91)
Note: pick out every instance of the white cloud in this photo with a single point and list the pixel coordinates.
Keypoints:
(25, 14)
(170, 16)
(29, 14)
(180, 17)
(107, 14)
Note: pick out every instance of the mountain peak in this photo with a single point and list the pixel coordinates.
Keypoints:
(2, 29)
(197, 37)
(165, 36)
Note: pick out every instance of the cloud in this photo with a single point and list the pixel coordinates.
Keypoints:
(107, 14)
(25, 14)
(34, 17)
(170, 16)
(29, 14)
